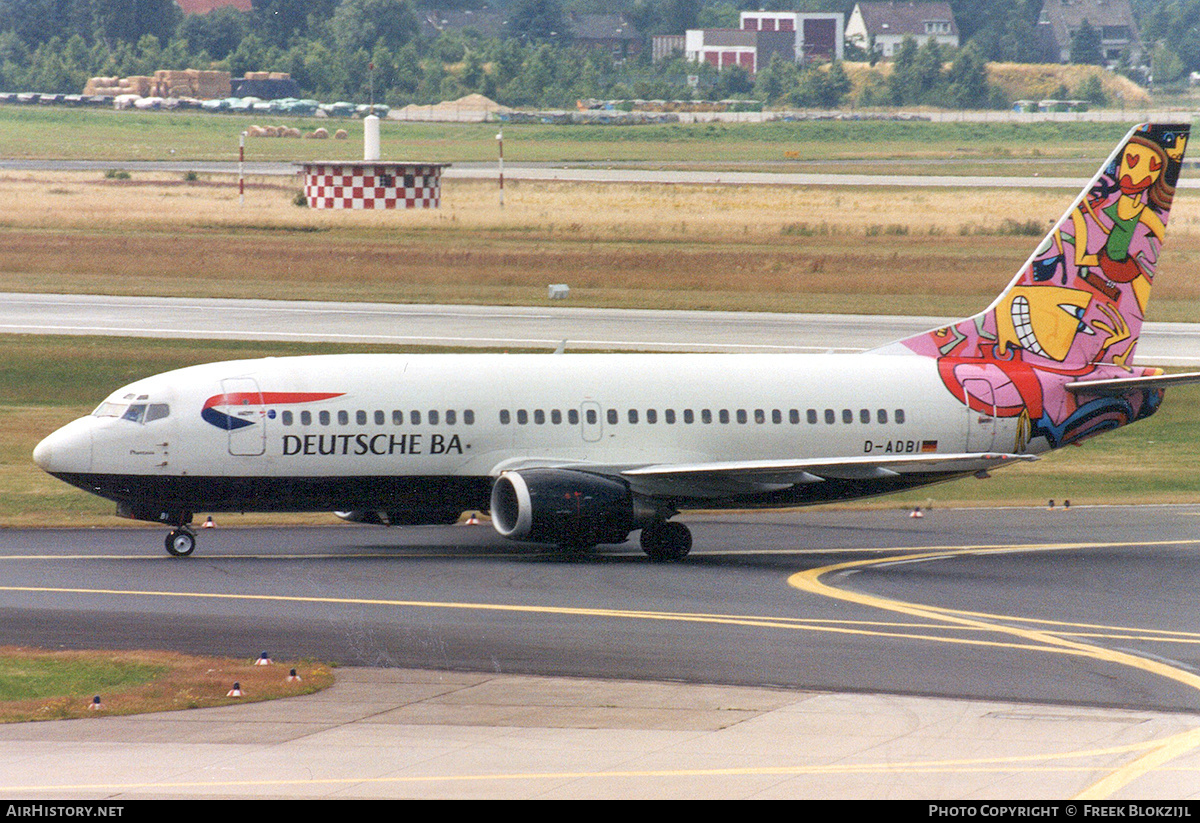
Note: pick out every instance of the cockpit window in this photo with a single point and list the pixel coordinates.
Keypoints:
(134, 412)
(107, 409)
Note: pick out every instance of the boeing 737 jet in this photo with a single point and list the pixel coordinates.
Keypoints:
(583, 449)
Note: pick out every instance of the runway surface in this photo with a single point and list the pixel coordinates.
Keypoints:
(1057, 606)
(969, 653)
(1161, 344)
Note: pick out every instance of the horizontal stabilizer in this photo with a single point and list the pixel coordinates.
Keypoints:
(1121, 385)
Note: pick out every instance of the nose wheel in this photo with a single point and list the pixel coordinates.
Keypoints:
(181, 542)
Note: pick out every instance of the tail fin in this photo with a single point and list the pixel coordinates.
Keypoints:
(1079, 300)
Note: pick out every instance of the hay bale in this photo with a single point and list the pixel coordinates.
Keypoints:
(340, 134)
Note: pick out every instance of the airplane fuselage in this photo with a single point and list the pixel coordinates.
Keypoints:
(346, 432)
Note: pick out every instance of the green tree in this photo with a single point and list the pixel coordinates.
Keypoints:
(360, 24)
(968, 84)
(1085, 45)
(538, 20)
(217, 33)
(903, 84)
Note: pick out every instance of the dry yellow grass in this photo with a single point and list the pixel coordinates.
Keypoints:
(1029, 81)
(668, 246)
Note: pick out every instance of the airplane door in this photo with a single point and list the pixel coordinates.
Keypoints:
(246, 418)
(981, 419)
(590, 424)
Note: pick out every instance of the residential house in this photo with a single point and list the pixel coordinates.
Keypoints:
(883, 26)
(1113, 19)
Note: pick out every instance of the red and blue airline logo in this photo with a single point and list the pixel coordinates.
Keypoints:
(212, 412)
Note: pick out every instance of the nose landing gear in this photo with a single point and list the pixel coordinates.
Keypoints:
(181, 542)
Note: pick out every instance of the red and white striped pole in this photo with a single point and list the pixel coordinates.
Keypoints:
(500, 143)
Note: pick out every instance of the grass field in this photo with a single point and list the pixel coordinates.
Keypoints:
(57, 685)
(890, 251)
(69, 133)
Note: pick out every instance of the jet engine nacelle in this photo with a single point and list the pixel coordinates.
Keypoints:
(562, 506)
(403, 517)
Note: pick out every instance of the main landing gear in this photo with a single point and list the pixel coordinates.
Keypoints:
(181, 542)
(665, 541)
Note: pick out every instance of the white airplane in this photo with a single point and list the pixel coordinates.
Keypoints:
(582, 449)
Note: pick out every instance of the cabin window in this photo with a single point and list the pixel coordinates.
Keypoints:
(433, 417)
(305, 418)
(573, 416)
(135, 413)
(741, 415)
(811, 415)
(343, 418)
(651, 416)
(688, 416)
(612, 417)
(414, 417)
(324, 418)
(469, 417)
(633, 416)
(899, 416)
(881, 416)
(591, 417)
(723, 415)
(380, 418)
(286, 418)
(705, 415)
(760, 416)
(504, 417)
(397, 418)
(776, 416)
(360, 417)
(522, 416)
(847, 416)
(669, 416)
(539, 416)
(555, 416)
(864, 416)
(451, 417)
(157, 411)
(830, 417)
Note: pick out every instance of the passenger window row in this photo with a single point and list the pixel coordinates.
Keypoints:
(433, 417)
(706, 416)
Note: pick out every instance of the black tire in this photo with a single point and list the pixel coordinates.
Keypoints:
(666, 542)
(180, 543)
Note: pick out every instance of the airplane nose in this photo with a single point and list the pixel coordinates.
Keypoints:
(67, 450)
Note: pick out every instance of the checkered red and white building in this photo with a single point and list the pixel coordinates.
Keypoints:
(372, 185)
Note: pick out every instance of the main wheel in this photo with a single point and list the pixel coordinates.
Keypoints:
(181, 543)
(663, 542)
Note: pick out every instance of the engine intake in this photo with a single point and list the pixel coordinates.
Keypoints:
(563, 506)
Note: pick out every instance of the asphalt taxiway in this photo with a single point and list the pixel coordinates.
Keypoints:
(969, 653)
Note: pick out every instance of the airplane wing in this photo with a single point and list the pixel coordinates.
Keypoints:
(1120, 385)
(750, 476)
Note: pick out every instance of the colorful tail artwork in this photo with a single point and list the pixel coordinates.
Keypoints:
(1074, 311)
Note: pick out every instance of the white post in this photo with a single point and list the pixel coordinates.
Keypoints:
(370, 137)
(500, 143)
